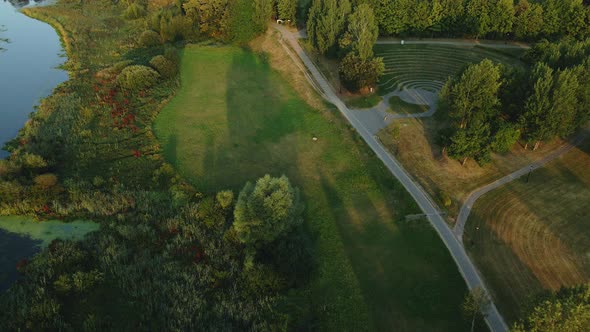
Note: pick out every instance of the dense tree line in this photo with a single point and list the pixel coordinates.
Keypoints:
(492, 107)
(500, 19)
(337, 29)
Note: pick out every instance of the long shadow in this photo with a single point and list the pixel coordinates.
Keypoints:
(171, 147)
(405, 279)
(258, 118)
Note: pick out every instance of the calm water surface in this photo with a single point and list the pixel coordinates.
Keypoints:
(28, 66)
(28, 72)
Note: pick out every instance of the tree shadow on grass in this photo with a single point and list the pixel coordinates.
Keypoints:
(405, 279)
(258, 120)
(171, 149)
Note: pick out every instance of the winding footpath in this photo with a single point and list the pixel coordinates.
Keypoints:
(467, 269)
(459, 228)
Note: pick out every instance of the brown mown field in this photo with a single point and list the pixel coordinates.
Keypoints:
(527, 237)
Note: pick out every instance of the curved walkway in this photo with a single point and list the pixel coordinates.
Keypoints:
(380, 116)
(493, 318)
(459, 228)
(455, 42)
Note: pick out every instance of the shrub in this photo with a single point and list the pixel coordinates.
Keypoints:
(149, 38)
(134, 11)
(267, 210)
(225, 198)
(46, 180)
(165, 67)
(137, 77)
(32, 161)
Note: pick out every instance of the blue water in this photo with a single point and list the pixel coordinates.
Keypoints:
(28, 66)
(28, 72)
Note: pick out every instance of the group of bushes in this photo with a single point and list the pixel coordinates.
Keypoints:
(492, 107)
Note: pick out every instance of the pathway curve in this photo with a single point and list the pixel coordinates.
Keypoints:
(459, 228)
(454, 42)
(380, 116)
(469, 272)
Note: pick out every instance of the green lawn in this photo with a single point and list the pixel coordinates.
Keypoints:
(429, 66)
(397, 105)
(531, 236)
(235, 119)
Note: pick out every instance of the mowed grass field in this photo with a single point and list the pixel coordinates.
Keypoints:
(235, 119)
(526, 237)
(429, 66)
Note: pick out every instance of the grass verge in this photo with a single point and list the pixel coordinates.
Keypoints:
(235, 119)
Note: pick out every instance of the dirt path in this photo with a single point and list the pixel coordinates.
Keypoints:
(459, 228)
(494, 319)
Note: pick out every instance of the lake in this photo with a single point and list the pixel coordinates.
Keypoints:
(28, 72)
(28, 66)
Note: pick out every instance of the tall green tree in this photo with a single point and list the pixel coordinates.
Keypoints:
(266, 210)
(326, 23)
(474, 95)
(502, 15)
(287, 10)
(568, 310)
(562, 116)
(362, 32)
(538, 106)
(583, 108)
(528, 21)
(478, 17)
(262, 13)
(476, 302)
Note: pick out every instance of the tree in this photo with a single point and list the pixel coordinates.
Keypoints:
(567, 310)
(262, 13)
(287, 10)
(474, 141)
(266, 210)
(357, 73)
(583, 108)
(528, 21)
(326, 23)
(476, 303)
(538, 105)
(478, 16)
(362, 32)
(502, 12)
(475, 93)
(564, 103)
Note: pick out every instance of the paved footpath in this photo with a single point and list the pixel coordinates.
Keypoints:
(469, 272)
(475, 195)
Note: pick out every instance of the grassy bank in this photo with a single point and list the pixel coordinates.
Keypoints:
(531, 236)
(235, 118)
